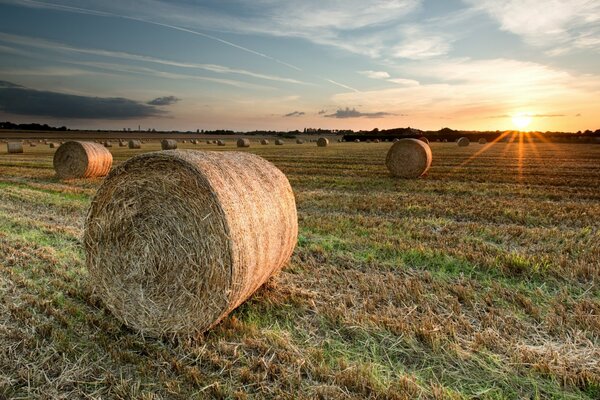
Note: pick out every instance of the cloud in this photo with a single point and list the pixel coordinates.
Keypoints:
(353, 113)
(558, 24)
(321, 112)
(163, 101)
(419, 44)
(295, 114)
(404, 82)
(15, 99)
(375, 74)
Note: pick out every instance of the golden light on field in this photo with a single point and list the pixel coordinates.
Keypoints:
(521, 120)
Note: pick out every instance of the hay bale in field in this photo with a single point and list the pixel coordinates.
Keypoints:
(463, 141)
(220, 142)
(14, 147)
(375, 140)
(279, 142)
(193, 141)
(32, 144)
(135, 144)
(408, 158)
(445, 140)
(168, 144)
(299, 141)
(323, 142)
(122, 143)
(219, 225)
(396, 140)
(356, 140)
(482, 141)
(184, 141)
(424, 139)
(107, 144)
(264, 141)
(52, 145)
(243, 143)
(209, 142)
(82, 160)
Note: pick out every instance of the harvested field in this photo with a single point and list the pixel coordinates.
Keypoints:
(480, 280)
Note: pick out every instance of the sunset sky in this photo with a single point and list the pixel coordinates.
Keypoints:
(266, 64)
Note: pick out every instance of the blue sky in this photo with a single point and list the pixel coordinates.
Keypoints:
(288, 65)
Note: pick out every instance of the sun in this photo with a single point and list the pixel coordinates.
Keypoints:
(521, 120)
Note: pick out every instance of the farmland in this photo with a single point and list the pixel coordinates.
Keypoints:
(479, 280)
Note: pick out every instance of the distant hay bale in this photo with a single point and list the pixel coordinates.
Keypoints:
(107, 144)
(176, 240)
(215, 142)
(32, 144)
(168, 144)
(356, 140)
(375, 140)
(82, 160)
(220, 142)
(52, 145)
(193, 141)
(122, 143)
(463, 141)
(482, 141)
(243, 143)
(323, 142)
(209, 142)
(279, 142)
(14, 147)
(424, 139)
(408, 158)
(135, 144)
(396, 140)
(299, 141)
(445, 140)
(184, 141)
(264, 141)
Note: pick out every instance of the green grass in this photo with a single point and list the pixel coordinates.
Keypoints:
(475, 282)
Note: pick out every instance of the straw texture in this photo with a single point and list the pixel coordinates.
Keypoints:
(168, 144)
(176, 240)
(243, 143)
(14, 147)
(82, 160)
(408, 158)
(323, 142)
(463, 141)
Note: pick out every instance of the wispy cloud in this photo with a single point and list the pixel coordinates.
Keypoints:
(295, 114)
(375, 74)
(353, 113)
(163, 101)
(19, 100)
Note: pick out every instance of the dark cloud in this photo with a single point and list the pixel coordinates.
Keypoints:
(15, 99)
(163, 101)
(322, 112)
(295, 114)
(353, 113)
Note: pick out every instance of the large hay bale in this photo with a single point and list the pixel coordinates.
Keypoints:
(463, 141)
(424, 139)
(82, 160)
(264, 141)
(14, 147)
(220, 142)
(279, 142)
(135, 144)
(408, 158)
(176, 240)
(482, 141)
(168, 144)
(323, 142)
(243, 143)
(299, 141)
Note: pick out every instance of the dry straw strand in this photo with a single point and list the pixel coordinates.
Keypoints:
(168, 144)
(408, 158)
(82, 160)
(176, 240)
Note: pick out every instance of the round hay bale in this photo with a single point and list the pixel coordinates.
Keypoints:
(445, 140)
(82, 160)
(220, 142)
(215, 142)
(424, 139)
(243, 143)
(356, 140)
(209, 142)
(408, 158)
(107, 144)
(279, 142)
(375, 140)
(299, 141)
(32, 144)
(14, 147)
(52, 145)
(264, 141)
(135, 144)
(122, 143)
(176, 240)
(168, 144)
(184, 141)
(193, 141)
(463, 141)
(482, 141)
(323, 142)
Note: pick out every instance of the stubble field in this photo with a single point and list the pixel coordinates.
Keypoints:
(479, 280)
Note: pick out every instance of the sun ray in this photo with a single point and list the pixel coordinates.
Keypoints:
(520, 157)
(482, 150)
